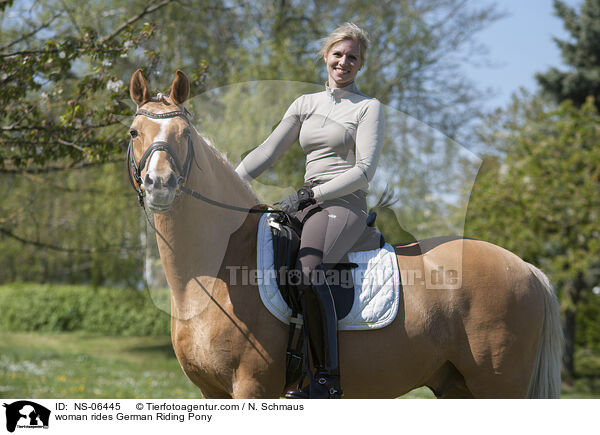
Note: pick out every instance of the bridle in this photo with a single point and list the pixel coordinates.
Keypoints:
(134, 170)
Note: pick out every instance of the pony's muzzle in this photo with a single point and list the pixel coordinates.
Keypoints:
(158, 182)
(160, 190)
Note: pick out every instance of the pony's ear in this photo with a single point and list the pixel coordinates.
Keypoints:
(138, 88)
(180, 89)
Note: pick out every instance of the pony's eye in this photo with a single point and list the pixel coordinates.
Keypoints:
(133, 133)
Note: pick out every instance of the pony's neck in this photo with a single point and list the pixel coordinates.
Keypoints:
(194, 235)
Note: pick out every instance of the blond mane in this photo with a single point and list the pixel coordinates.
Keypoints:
(224, 161)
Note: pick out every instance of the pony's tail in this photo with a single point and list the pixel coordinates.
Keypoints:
(545, 379)
(387, 198)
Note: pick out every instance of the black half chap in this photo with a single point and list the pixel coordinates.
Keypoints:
(329, 233)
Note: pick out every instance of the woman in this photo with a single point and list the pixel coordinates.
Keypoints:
(341, 132)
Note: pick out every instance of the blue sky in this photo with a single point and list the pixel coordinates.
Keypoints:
(519, 46)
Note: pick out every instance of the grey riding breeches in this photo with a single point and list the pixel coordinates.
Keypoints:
(329, 232)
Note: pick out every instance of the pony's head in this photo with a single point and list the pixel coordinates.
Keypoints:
(160, 149)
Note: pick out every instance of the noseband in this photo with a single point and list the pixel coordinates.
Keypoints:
(134, 170)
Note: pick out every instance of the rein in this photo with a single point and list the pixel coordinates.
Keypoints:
(134, 170)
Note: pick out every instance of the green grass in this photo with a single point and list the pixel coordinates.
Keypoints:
(76, 365)
(419, 393)
(72, 365)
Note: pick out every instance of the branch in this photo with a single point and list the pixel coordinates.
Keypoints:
(70, 144)
(79, 190)
(450, 14)
(4, 4)
(55, 127)
(76, 165)
(30, 34)
(71, 17)
(39, 244)
(147, 10)
(53, 50)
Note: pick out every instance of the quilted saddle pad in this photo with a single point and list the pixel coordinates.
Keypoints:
(376, 282)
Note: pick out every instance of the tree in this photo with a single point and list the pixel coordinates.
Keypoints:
(414, 60)
(64, 72)
(581, 52)
(79, 225)
(61, 110)
(80, 66)
(51, 113)
(413, 66)
(539, 198)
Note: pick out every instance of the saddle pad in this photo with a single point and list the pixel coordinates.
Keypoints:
(376, 283)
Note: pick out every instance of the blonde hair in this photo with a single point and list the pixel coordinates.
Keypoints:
(347, 31)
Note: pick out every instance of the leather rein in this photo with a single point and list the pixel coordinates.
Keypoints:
(134, 169)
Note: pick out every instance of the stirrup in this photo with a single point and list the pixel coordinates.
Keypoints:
(326, 387)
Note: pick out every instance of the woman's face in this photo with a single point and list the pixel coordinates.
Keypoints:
(343, 61)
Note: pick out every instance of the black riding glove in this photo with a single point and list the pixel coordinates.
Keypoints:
(297, 201)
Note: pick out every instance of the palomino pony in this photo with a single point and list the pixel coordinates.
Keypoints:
(491, 332)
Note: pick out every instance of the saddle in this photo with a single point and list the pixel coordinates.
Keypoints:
(286, 231)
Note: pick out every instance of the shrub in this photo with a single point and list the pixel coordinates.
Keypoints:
(59, 308)
(588, 326)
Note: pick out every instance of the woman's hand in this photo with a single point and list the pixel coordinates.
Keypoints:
(297, 201)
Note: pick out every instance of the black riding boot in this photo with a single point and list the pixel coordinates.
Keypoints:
(320, 321)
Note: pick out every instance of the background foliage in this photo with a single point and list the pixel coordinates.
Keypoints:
(537, 193)
(67, 308)
(540, 200)
(67, 214)
(579, 52)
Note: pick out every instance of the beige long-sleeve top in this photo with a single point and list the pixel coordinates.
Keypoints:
(341, 133)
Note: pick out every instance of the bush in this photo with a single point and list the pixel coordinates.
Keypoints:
(588, 326)
(59, 308)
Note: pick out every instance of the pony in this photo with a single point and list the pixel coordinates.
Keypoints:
(475, 320)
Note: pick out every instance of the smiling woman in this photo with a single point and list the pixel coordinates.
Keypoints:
(345, 53)
(343, 62)
(341, 132)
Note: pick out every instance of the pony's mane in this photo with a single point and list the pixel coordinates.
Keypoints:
(223, 160)
(220, 157)
(160, 98)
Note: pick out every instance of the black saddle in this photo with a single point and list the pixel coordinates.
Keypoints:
(286, 231)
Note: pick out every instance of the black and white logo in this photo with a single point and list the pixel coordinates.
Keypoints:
(26, 415)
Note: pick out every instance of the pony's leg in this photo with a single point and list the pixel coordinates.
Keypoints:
(507, 380)
(252, 389)
(457, 393)
(255, 380)
(456, 390)
(448, 383)
(496, 364)
(214, 393)
(489, 386)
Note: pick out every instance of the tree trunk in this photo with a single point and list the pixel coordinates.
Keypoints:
(569, 350)
(574, 291)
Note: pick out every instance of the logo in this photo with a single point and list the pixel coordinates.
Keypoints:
(26, 414)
